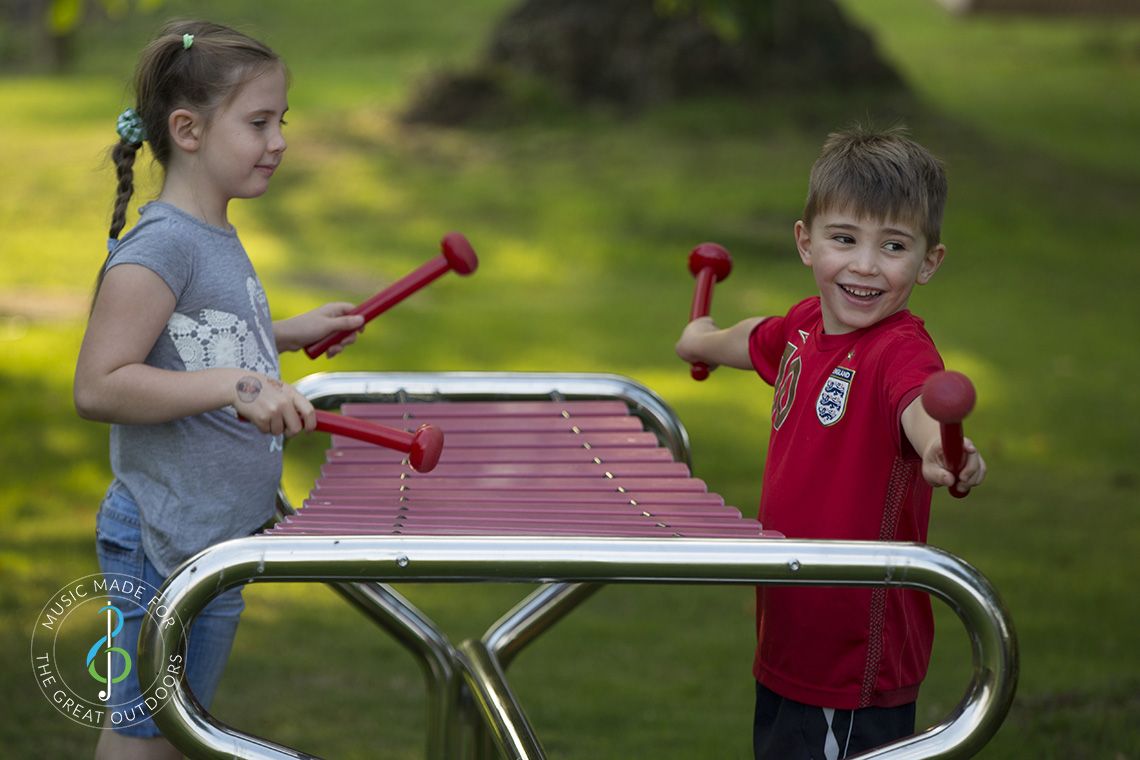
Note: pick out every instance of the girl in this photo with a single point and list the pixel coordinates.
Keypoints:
(180, 342)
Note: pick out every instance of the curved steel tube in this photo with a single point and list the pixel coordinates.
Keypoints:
(506, 718)
(533, 616)
(332, 388)
(403, 559)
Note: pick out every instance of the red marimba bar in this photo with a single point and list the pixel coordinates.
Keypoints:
(557, 468)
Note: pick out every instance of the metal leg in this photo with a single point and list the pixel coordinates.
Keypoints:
(529, 619)
(511, 730)
(532, 617)
(423, 639)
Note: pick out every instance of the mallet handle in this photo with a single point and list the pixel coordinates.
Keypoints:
(709, 263)
(702, 304)
(424, 445)
(361, 430)
(456, 254)
(954, 451)
(702, 294)
(384, 300)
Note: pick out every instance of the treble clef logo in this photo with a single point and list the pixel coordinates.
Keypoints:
(113, 612)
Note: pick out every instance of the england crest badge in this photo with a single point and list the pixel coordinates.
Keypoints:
(832, 401)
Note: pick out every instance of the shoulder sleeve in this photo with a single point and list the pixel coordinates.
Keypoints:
(767, 341)
(766, 346)
(157, 246)
(909, 360)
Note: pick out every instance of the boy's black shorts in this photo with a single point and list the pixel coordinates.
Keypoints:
(784, 729)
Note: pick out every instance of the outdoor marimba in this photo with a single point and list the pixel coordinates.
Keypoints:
(571, 480)
(553, 468)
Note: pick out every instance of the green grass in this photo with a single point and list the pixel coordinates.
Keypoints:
(582, 223)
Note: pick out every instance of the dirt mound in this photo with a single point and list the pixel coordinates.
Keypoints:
(631, 53)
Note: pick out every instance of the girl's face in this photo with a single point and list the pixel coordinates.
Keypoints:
(243, 144)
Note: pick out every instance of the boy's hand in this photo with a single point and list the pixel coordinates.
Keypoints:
(936, 473)
(702, 341)
(273, 406)
(690, 345)
(305, 329)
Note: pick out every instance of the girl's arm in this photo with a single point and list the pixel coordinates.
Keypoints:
(306, 329)
(113, 384)
(925, 436)
(701, 341)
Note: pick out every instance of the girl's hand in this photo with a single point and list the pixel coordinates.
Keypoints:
(273, 406)
(936, 472)
(305, 329)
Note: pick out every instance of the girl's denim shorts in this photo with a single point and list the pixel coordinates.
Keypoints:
(119, 540)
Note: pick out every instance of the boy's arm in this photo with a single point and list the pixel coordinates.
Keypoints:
(701, 341)
(924, 435)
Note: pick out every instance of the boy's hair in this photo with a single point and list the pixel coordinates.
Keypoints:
(175, 71)
(880, 174)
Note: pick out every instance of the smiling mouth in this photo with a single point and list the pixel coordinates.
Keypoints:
(863, 294)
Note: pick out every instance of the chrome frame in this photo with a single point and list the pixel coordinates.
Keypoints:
(573, 569)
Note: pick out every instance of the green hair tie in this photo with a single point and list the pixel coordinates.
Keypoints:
(187, 41)
(130, 127)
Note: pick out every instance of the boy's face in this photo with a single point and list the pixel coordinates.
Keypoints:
(864, 268)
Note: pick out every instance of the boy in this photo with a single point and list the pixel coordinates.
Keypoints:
(852, 453)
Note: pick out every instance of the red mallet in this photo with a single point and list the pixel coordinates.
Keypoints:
(424, 446)
(948, 397)
(457, 254)
(709, 263)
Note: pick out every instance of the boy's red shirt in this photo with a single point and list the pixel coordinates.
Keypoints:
(840, 467)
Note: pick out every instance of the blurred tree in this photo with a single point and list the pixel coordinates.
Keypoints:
(636, 52)
(41, 33)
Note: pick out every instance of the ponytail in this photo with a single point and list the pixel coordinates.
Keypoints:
(132, 133)
(123, 154)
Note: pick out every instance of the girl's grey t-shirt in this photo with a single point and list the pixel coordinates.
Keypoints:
(211, 477)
